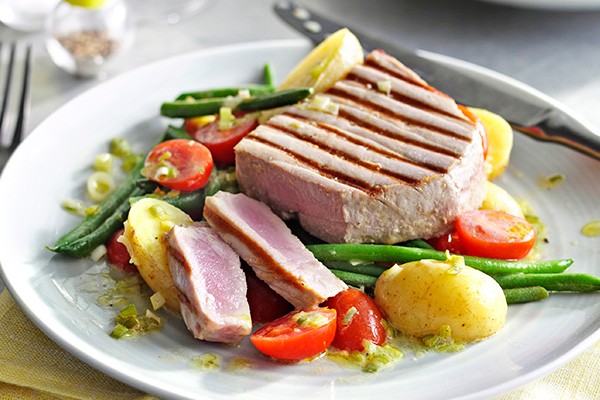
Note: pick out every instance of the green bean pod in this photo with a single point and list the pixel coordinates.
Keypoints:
(369, 269)
(567, 282)
(193, 108)
(354, 279)
(85, 244)
(525, 295)
(173, 132)
(277, 99)
(269, 75)
(401, 254)
(104, 211)
(254, 90)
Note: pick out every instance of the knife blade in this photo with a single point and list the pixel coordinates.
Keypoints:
(527, 110)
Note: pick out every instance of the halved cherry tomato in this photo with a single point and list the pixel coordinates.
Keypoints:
(117, 254)
(297, 335)
(266, 305)
(358, 318)
(495, 234)
(449, 241)
(221, 142)
(179, 164)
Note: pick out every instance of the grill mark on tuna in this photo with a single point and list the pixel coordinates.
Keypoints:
(355, 140)
(225, 227)
(322, 169)
(352, 76)
(372, 106)
(348, 157)
(393, 135)
(372, 63)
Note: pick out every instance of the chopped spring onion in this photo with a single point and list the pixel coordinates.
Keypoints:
(73, 206)
(591, 229)
(384, 86)
(99, 185)
(120, 147)
(226, 118)
(104, 162)
(119, 331)
(349, 315)
(98, 253)
(157, 300)
(128, 311)
(323, 103)
(91, 210)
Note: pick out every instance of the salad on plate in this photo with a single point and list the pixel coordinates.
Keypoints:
(349, 211)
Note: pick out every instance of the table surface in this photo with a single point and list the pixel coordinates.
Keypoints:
(554, 51)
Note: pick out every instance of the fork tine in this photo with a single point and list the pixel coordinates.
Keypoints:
(24, 103)
(11, 62)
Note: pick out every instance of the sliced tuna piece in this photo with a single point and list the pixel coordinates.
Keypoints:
(393, 159)
(265, 242)
(210, 282)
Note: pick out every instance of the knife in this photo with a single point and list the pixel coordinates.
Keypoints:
(528, 111)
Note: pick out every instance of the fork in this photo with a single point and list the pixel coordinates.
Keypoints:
(23, 99)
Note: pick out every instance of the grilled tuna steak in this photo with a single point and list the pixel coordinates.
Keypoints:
(382, 157)
(265, 242)
(210, 282)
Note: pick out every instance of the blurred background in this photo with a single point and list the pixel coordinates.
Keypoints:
(554, 48)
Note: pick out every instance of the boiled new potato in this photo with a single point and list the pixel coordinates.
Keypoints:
(148, 222)
(499, 141)
(420, 297)
(327, 63)
(498, 199)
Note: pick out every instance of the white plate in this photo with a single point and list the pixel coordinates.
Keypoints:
(565, 5)
(53, 163)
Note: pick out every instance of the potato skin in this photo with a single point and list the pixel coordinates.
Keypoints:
(421, 296)
(144, 238)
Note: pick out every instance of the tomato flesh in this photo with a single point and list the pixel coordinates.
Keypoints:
(117, 254)
(179, 164)
(266, 305)
(449, 242)
(358, 319)
(495, 234)
(221, 143)
(297, 335)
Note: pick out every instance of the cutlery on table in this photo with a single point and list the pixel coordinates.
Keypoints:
(527, 110)
(7, 93)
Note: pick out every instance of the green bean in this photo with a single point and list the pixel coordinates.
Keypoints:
(269, 75)
(189, 109)
(83, 246)
(369, 269)
(209, 106)
(173, 132)
(354, 279)
(420, 243)
(400, 254)
(525, 295)
(254, 90)
(567, 282)
(276, 99)
(105, 209)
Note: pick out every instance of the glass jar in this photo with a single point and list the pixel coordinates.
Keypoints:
(84, 36)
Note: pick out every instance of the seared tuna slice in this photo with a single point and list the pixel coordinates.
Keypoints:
(387, 159)
(210, 282)
(265, 242)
